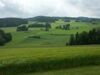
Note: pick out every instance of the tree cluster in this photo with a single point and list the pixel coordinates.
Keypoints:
(36, 25)
(22, 28)
(44, 19)
(85, 38)
(64, 27)
(4, 37)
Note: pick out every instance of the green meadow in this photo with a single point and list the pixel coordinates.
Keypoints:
(52, 38)
(49, 55)
(94, 70)
(31, 60)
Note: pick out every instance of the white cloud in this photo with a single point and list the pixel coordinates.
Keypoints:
(1, 5)
(31, 8)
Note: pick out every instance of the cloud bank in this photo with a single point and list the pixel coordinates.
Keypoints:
(31, 8)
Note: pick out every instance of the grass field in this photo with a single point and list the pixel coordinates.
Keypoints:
(49, 55)
(25, 60)
(90, 70)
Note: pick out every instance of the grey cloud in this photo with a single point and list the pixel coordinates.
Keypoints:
(11, 10)
(30, 8)
(90, 6)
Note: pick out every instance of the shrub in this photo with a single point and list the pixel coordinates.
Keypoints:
(22, 28)
(4, 37)
(37, 37)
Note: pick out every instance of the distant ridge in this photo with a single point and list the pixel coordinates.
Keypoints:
(14, 21)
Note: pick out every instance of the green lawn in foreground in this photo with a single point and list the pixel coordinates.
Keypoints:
(25, 60)
(90, 70)
(10, 55)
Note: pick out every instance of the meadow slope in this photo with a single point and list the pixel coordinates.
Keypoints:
(49, 53)
(52, 38)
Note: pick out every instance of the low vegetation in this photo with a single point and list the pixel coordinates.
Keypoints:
(90, 70)
(22, 28)
(25, 60)
(37, 37)
(4, 37)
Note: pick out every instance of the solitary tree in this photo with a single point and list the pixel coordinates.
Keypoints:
(47, 26)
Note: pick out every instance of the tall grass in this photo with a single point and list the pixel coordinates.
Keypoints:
(48, 63)
(45, 65)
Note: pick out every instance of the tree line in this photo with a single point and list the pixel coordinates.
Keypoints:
(85, 38)
(64, 27)
(4, 37)
(36, 25)
(12, 22)
(43, 19)
(23, 27)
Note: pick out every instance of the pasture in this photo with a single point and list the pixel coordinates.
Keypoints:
(27, 60)
(90, 70)
(52, 38)
(48, 54)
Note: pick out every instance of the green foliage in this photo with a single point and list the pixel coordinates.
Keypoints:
(12, 22)
(22, 28)
(44, 19)
(47, 26)
(4, 37)
(85, 38)
(36, 25)
(8, 37)
(72, 40)
(66, 27)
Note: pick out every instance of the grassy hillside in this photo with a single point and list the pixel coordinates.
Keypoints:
(26, 54)
(52, 38)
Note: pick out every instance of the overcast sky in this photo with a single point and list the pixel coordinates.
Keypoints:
(31, 8)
